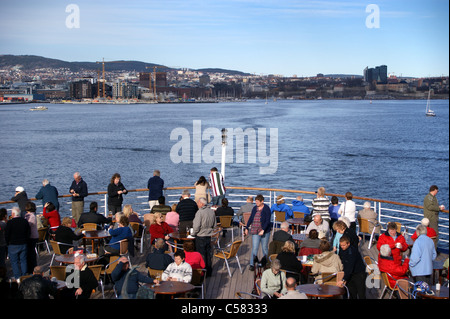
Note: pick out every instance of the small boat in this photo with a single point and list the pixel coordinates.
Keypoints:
(429, 112)
(39, 108)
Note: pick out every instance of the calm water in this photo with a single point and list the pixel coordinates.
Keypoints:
(387, 149)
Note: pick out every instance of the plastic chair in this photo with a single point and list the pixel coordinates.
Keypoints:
(109, 268)
(364, 227)
(215, 238)
(59, 272)
(97, 271)
(387, 285)
(42, 232)
(404, 289)
(232, 253)
(299, 215)
(139, 233)
(154, 273)
(279, 217)
(56, 249)
(259, 291)
(226, 223)
(198, 280)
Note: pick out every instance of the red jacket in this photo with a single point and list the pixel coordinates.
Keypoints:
(159, 231)
(387, 239)
(53, 218)
(394, 267)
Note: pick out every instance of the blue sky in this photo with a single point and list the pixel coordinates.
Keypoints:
(264, 37)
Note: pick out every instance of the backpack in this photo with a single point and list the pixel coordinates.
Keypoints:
(143, 291)
(422, 287)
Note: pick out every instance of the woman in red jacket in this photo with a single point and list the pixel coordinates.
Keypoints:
(392, 265)
(159, 229)
(52, 215)
(395, 240)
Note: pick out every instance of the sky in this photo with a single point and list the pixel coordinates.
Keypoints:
(285, 37)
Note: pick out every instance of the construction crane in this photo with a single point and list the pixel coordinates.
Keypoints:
(103, 75)
(154, 77)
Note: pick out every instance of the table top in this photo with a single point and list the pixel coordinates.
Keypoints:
(300, 237)
(438, 294)
(323, 291)
(180, 236)
(171, 287)
(96, 234)
(70, 258)
(297, 221)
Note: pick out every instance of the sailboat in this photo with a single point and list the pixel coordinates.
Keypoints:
(429, 112)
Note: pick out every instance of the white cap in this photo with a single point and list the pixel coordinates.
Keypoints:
(19, 189)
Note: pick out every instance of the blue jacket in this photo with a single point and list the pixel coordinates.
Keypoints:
(48, 193)
(283, 208)
(299, 206)
(118, 234)
(333, 210)
(422, 255)
(155, 187)
(118, 276)
(266, 216)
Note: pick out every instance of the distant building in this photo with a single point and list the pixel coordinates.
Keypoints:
(125, 90)
(80, 89)
(377, 74)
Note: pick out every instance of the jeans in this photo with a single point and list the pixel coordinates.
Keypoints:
(260, 240)
(18, 256)
(217, 200)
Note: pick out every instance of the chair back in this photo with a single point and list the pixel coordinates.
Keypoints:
(113, 262)
(234, 248)
(306, 251)
(399, 227)
(154, 272)
(96, 270)
(136, 229)
(215, 237)
(89, 226)
(299, 215)
(280, 216)
(364, 225)
(386, 282)
(275, 247)
(123, 246)
(42, 232)
(59, 272)
(198, 276)
(55, 247)
(225, 221)
(404, 288)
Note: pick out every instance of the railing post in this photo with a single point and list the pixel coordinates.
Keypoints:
(106, 205)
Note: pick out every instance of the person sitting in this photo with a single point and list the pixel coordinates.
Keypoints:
(86, 280)
(289, 261)
(292, 293)
(93, 217)
(393, 266)
(280, 206)
(161, 207)
(371, 216)
(327, 261)
(273, 280)
(120, 233)
(224, 210)
(320, 225)
(120, 273)
(394, 239)
(312, 241)
(246, 208)
(280, 237)
(65, 234)
(158, 259)
(299, 206)
(430, 231)
(172, 218)
(192, 257)
(179, 270)
(36, 286)
(132, 216)
(52, 215)
(159, 228)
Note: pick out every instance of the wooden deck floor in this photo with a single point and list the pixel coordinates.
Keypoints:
(220, 285)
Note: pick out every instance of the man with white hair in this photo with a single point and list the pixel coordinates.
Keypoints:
(320, 225)
(17, 233)
(21, 198)
(79, 191)
(48, 194)
(203, 226)
(393, 266)
(422, 255)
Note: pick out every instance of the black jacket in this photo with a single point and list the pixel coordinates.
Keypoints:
(93, 217)
(115, 199)
(17, 231)
(352, 262)
(187, 208)
(37, 287)
(66, 235)
(81, 189)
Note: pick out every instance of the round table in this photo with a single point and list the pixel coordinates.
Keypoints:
(321, 291)
(171, 288)
(94, 235)
(70, 258)
(440, 294)
(297, 222)
(180, 236)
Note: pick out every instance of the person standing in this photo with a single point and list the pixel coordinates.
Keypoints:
(30, 216)
(320, 205)
(431, 209)
(259, 224)
(79, 191)
(354, 269)
(17, 233)
(217, 186)
(422, 255)
(203, 225)
(155, 187)
(202, 189)
(48, 194)
(21, 198)
(348, 209)
(186, 210)
(115, 192)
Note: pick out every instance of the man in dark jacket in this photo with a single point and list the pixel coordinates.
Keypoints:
(155, 187)
(37, 287)
(186, 209)
(79, 191)
(93, 217)
(158, 259)
(48, 194)
(354, 269)
(21, 198)
(17, 233)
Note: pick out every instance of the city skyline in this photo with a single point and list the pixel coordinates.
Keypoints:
(261, 37)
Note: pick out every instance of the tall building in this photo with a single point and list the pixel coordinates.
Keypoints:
(377, 74)
(80, 89)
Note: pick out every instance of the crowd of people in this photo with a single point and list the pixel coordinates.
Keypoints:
(331, 235)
